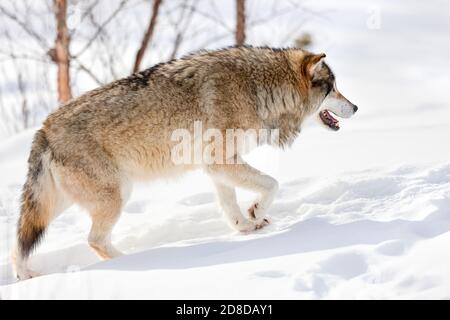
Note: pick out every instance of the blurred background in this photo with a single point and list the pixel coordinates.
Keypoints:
(389, 52)
(54, 50)
(362, 212)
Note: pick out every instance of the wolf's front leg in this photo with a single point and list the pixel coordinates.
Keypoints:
(227, 200)
(241, 174)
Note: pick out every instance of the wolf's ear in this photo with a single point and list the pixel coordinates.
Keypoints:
(314, 63)
(310, 65)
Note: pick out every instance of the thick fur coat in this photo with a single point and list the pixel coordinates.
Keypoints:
(90, 149)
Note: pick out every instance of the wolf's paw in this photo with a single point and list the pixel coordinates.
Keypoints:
(26, 274)
(252, 211)
(256, 213)
(105, 251)
(250, 225)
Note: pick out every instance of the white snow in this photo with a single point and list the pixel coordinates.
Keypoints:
(361, 213)
(378, 232)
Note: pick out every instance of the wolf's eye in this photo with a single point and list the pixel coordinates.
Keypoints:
(323, 85)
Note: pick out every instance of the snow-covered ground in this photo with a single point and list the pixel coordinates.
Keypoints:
(361, 213)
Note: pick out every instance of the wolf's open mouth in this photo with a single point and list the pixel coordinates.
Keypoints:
(328, 120)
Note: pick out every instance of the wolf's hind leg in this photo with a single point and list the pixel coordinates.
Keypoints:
(104, 216)
(99, 188)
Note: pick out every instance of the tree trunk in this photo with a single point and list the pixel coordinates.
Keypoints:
(25, 110)
(240, 22)
(61, 54)
(147, 36)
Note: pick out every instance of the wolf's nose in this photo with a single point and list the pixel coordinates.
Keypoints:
(355, 108)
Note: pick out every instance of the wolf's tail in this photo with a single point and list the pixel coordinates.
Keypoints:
(37, 205)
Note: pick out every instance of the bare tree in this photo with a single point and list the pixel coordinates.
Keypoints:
(87, 43)
(24, 112)
(24, 108)
(61, 53)
(148, 35)
(181, 24)
(240, 22)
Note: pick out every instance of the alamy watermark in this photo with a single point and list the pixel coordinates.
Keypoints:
(216, 146)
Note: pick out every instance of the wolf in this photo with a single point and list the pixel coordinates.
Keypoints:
(91, 149)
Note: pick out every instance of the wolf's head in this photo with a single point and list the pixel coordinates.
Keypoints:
(325, 98)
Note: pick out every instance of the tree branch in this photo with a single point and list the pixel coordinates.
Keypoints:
(100, 29)
(82, 67)
(25, 27)
(147, 36)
